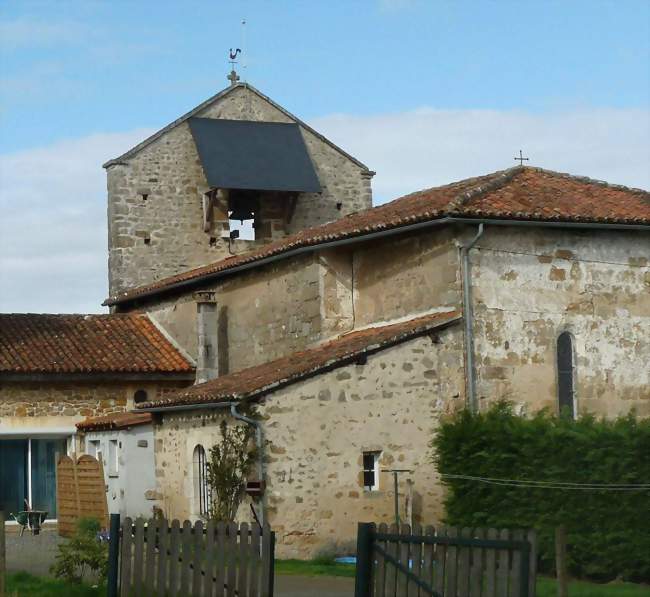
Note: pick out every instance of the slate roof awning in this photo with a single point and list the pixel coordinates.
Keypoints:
(247, 155)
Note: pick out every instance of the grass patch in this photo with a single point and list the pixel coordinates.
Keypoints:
(547, 587)
(24, 584)
(320, 567)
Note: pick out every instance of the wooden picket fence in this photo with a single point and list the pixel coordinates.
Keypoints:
(80, 492)
(217, 558)
(446, 561)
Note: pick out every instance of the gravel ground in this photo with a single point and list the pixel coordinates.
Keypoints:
(33, 554)
(313, 586)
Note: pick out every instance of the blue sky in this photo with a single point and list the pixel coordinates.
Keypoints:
(424, 92)
(74, 68)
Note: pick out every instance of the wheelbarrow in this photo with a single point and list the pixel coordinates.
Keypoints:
(32, 519)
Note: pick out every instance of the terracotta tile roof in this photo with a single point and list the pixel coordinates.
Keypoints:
(47, 343)
(261, 379)
(115, 421)
(520, 193)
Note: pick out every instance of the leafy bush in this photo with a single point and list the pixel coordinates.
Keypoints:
(82, 554)
(608, 532)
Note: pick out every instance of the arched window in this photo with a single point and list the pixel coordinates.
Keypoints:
(140, 396)
(201, 488)
(565, 373)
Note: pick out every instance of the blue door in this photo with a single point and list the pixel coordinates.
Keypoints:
(13, 474)
(17, 458)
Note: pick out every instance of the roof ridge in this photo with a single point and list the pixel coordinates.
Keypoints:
(451, 201)
(500, 178)
(586, 179)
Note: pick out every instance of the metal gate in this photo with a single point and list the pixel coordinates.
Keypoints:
(444, 562)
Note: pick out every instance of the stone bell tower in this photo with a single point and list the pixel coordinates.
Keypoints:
(232, 174)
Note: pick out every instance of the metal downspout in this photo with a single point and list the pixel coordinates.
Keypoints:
(469, 321)
(260, 456)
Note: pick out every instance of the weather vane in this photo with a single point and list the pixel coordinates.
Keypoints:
(521, 158)
(233, 77)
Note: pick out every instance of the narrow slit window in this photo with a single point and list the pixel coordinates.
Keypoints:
(565, 375)
(371, 471)
(201, 487)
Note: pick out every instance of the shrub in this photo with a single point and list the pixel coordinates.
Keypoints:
(82, 554)
(608, 531)
(228, 465)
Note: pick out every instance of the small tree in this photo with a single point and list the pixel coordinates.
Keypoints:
(227, 468)
(83, 554)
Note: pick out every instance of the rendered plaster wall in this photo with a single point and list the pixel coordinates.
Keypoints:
(388, 279)
(315, 434)
(131, 486)
(532, 284)
(62, 404)
(169, 173)
(406, 275)
(263, 314)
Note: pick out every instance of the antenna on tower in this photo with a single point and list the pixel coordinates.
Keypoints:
(243, 48)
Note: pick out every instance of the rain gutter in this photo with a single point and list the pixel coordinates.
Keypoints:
(372, 236)
(284, 255)
(468, 318)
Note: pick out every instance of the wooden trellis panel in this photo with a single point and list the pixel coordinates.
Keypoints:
(80, 492)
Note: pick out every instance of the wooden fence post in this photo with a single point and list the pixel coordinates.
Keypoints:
(113, 556)
(272, 565)
(3, 553)
(364, 560)
(560, 561)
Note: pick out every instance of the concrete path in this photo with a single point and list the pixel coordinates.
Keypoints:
(313, 586)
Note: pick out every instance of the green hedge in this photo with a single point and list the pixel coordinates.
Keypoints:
(608, 531)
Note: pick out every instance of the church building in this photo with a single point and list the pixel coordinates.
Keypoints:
(342, 333)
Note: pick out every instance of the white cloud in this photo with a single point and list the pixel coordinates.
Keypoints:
(53, 235)
(53, 252)
(427, 147)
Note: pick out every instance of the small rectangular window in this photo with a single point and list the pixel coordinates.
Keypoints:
(371, 471)
(94, 448)
(113, 467)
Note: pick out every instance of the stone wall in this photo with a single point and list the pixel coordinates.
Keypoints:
(62, 404)
(281, 308)
(531, 285)
(315, 434)
(263, 314)
(155, 212)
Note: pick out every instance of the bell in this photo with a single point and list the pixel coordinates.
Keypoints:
(241, 213)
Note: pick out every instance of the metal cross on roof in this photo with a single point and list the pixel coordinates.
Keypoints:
(521, 158)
